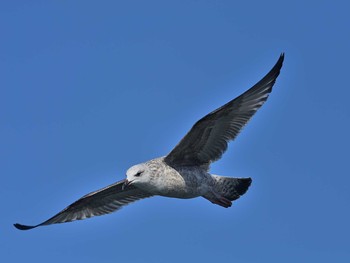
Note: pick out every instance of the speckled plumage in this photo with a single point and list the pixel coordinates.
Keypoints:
(179, 182)
(184, 172)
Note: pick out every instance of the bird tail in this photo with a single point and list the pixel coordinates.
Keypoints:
(231, 188)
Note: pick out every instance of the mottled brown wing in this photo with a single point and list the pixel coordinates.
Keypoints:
(100, 202)
(208, 138)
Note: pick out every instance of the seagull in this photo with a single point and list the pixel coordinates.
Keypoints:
(184, 172)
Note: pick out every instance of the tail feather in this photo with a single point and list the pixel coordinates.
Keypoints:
(231, 188)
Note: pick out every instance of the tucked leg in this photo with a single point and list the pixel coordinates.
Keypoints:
(218, 200)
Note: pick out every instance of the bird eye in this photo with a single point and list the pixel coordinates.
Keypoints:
(138, 174)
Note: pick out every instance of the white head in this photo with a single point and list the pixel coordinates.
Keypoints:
(138, 175)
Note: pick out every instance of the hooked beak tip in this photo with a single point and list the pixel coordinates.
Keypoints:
(126, 184)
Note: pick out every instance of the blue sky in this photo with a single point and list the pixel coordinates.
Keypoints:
(89, 89)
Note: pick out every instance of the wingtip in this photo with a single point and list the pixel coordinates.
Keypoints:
(23, 227)
(275, 71)
(281, 58)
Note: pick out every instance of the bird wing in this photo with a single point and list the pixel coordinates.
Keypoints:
(103, 201)
(208, 138)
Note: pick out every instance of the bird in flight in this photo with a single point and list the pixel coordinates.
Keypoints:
(184, 172)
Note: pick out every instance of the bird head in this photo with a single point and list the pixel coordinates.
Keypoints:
(137, 175)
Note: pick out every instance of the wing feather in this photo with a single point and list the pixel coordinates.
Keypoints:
(104, 201)
(209, 137)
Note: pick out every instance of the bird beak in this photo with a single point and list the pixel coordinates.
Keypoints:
(126, 183)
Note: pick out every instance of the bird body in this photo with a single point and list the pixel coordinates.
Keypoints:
(179, 182)
(184, 172)
(158, 178)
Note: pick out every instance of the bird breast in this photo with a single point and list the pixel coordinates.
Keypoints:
(183, 182)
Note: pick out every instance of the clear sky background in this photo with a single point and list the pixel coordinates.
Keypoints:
(89, 88)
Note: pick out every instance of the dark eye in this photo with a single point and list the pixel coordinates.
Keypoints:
(138, 174)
